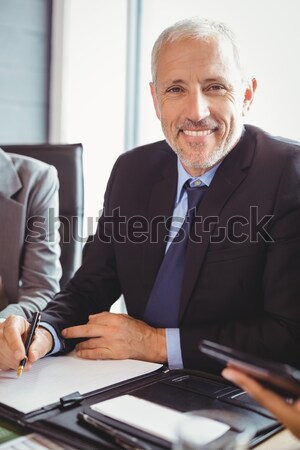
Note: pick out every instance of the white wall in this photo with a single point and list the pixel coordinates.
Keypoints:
(91, 82)
(269, 34)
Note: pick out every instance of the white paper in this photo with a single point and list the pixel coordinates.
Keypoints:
(157, 420)
(54, 377)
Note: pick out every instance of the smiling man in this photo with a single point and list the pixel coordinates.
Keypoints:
(231, 191)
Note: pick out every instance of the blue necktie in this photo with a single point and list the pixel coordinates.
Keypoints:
(162, 309)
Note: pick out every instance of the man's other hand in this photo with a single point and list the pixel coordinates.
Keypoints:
(119, 336)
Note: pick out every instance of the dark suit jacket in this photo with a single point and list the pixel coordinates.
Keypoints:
(242, 280)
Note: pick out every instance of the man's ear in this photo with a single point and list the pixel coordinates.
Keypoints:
(154, 98)
(249, 95)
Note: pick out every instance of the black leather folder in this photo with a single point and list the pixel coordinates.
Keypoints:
(179, 389)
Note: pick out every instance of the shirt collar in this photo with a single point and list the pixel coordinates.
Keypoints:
(184, 176)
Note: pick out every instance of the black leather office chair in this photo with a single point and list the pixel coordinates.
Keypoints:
(67, 158)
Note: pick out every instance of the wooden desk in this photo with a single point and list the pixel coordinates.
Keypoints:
(281, 441)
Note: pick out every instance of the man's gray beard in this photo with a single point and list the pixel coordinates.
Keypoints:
(217, 156)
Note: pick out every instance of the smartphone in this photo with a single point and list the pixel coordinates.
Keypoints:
(281, 378)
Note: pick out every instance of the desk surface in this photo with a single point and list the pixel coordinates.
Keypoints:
(281, 441)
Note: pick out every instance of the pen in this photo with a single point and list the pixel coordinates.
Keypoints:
(30, 335)
(126, 441)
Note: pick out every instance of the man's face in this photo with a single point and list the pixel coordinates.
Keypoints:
(200, 100)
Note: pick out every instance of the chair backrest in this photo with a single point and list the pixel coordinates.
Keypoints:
(67, 159)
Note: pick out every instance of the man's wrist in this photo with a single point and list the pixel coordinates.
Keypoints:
(48, 336)
(57, 343)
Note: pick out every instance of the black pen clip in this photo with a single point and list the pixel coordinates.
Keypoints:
(71, 399)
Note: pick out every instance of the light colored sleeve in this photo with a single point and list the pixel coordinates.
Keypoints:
(173, 348)
(40, 269)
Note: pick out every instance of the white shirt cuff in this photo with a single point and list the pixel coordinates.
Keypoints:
(174, 348)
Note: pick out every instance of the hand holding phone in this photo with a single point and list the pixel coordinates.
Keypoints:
(281, 378)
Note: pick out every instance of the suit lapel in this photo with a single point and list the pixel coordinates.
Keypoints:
(228, 177)
(10, 183)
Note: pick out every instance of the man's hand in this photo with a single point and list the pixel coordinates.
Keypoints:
(119, 336)
(288, 414)
(12, 337)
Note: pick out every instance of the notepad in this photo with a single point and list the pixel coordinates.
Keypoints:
(55, 377)
(155, 419)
